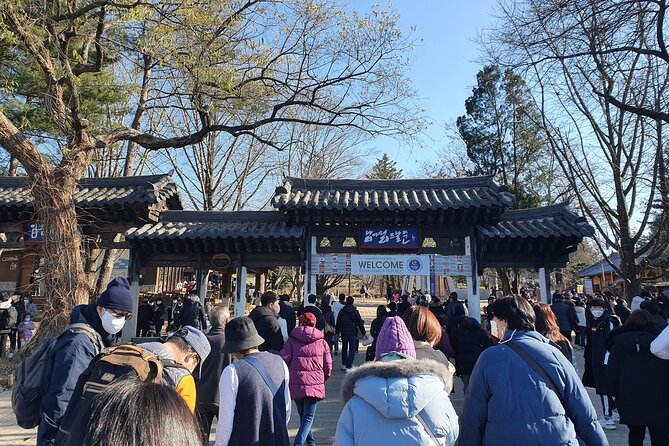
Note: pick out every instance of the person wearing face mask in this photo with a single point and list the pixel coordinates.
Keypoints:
(181, 354)
(596, 355)
(99, 324)
(524, 390)
(265, 319)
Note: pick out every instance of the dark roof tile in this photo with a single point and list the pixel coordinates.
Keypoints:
(427, 194)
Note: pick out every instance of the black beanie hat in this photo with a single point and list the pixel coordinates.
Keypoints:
(117, 296)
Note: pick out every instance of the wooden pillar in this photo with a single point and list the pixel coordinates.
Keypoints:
(130, 327)
(545, 284)
(473, 281)
(260, 283)
(309, 275)
(240, 297)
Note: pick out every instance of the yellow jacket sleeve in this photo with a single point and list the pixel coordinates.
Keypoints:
(186, 389)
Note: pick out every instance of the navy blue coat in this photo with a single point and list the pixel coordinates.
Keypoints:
(507, 402)
(72, 355)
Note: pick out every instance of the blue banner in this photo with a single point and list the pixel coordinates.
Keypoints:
(390, 238)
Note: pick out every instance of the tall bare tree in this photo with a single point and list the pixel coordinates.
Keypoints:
(600, 76)
(256, 65)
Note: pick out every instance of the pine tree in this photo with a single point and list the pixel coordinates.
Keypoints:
(384, 169)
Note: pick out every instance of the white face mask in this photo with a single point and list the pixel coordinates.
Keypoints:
(111, 324)
(498, 329)
(597, 313)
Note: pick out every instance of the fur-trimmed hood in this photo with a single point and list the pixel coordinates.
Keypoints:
(398, 389)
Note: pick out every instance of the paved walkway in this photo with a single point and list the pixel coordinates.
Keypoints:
(327, 413)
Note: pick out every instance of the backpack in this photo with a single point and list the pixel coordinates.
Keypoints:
(32, 378)
(125, 361)
(8, 318)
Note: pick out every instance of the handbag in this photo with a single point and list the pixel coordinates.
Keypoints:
(329, 330)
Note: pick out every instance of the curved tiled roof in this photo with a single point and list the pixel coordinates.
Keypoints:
(212, 225)
(550, 221)
(424, 194)
(98, 192)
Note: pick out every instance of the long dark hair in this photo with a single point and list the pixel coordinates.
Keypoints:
(130, 412)
(516, 311)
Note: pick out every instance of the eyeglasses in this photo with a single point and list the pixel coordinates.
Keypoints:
(126, 316)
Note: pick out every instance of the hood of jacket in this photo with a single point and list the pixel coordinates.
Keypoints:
(397, 389)
(260, 312)
(306, 335)
(348, 308)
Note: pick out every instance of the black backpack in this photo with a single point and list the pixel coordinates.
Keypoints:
(32, 378)
(9, 317)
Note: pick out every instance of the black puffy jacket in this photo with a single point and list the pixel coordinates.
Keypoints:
(597, 334)
(638, 379)
(468, 340)
(349, 322)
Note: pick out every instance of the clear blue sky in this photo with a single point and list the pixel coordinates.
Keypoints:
(443, 63)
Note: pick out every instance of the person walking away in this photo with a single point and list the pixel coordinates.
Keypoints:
(468, 341)
(73, 351)
(254, 391)
(336, 308)
(397, 401)
(546, 325)
(454, 307)
(639, 380)
(511, 397)
(349, 324)
(193, 314)
(26, 328)
(375, 329)
(565, 313)
(208, 399)
(394, 337)
(181, 355)
(313, 309)
(653, 308)
(596, 357)
(287, 311)
(329, 318)
(309, 363)
(404, 305)
(363, 293)
(264, 318)
(425, 332)
(132, 412)
(582, 324)
(8, 319)
(159, 316)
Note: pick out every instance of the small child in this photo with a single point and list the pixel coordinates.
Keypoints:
(26, 328)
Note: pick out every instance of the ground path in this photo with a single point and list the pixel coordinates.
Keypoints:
(327, 413)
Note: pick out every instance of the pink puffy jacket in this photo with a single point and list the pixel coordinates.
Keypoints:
(309, 362)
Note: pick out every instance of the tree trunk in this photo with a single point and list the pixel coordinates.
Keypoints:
(503, 275)
(105, 271)
(630, 270)
(63, 273)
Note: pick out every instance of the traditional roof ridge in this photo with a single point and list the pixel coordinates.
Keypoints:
(543, 212)
(390, 184)
(189, 216)
(98, 181)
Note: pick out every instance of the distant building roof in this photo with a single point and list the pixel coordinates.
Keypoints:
(601, 267)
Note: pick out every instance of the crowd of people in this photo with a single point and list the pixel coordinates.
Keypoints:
(17, 322)
(246, 372)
